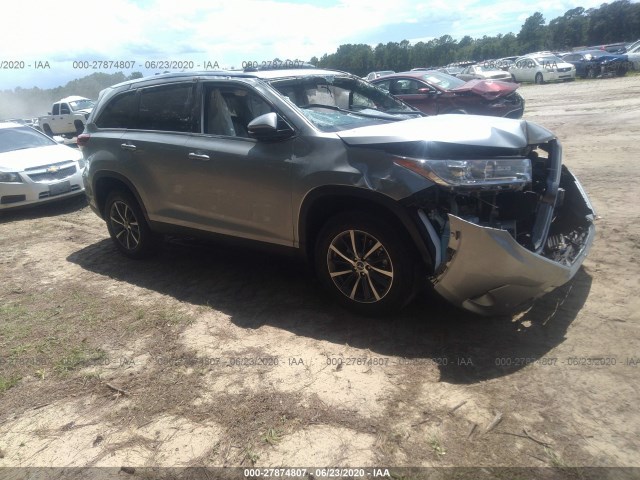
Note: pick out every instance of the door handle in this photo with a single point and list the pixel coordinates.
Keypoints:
(129, 147)
(198, 156)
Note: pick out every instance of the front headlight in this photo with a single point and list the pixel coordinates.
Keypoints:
(10, 177)
(513, 172)
(81, 163)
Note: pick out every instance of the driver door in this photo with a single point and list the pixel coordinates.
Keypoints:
(239, 186)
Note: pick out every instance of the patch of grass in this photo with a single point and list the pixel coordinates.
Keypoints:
(12, 310)
(437, 446)
(251, 455)
(148, 319)
(78, 357)
(272, 436)
(18, 350)
(8, 382)
(555, 459)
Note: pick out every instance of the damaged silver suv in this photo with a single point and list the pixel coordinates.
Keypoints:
(379, 197)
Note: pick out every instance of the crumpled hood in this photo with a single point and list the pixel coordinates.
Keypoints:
(488, 89)
(455, 130)
(611, 58)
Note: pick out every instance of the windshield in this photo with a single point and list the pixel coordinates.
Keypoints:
(333, 103)
(20, 138)
(484, 68)
(595, 54)
(443, 80)
(84, 104)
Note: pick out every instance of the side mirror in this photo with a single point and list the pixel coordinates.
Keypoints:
(265, 127)
(426, 91)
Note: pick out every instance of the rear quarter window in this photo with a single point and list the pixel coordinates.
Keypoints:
(121, 112)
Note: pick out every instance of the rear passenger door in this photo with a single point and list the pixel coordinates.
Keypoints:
(155, 149)
(238, 185)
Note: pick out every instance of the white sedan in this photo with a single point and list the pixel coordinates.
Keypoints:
(540, 68)
(35, 169)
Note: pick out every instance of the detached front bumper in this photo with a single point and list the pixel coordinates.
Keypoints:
(489, 273)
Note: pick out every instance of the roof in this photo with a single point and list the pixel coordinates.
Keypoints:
(412, 73)
(72, 98)
(4, 124)
(262, 74)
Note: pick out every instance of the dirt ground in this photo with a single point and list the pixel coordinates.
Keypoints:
(212, 356)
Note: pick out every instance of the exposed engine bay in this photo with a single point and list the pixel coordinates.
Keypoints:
(547, 217)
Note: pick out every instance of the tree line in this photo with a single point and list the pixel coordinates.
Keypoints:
(618, 21)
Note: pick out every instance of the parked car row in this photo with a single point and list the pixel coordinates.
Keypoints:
(542, 67)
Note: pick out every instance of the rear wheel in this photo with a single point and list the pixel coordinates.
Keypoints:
(127, 226)
(47, 129)
(364, 264)
(539, 78)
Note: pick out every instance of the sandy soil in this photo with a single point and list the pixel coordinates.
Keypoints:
(209, 356)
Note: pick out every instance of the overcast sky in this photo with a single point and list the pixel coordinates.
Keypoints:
(34, 31)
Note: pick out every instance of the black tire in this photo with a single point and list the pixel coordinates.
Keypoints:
(47, 129)
(591, 73)
(371, 281)
(539, 79)
(79, 127)
(127, 226)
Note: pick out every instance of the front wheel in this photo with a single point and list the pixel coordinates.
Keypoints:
(539, 78)
(79, 127)
(364, 264)
(127, 226)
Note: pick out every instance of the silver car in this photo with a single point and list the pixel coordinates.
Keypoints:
(35, 169)
(484, 72)
(380, 198)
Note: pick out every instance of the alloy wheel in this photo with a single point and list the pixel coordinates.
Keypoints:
(360, 266)
(126, 228)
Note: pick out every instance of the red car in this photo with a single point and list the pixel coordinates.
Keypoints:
(436, 93)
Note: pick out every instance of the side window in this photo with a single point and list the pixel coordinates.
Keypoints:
(228, 109)
(56, 109)
(121, 112)
(404, 87)
(168, 108)
(64, 109)
(384, 85)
